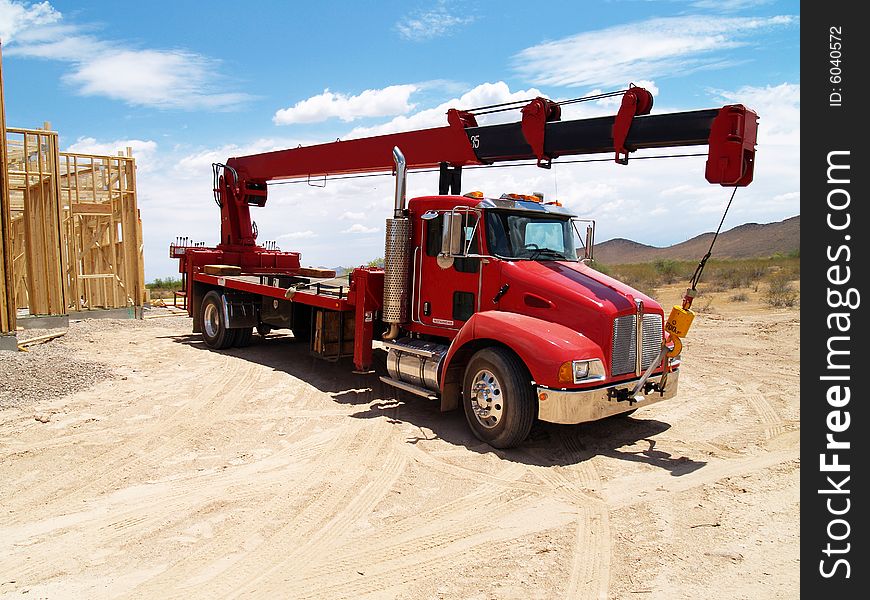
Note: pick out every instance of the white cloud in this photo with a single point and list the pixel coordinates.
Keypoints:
(158, 78)
(20, 16)
(166, 79)
(88, 145)
(650, 49)
(787, 197)
(360, 228)
(430, 24)
(730, 6)
(198, 164)
(384, 102)
(298, 235)
(144, 151)
(778, 107)
(352, 216)
(484, 94)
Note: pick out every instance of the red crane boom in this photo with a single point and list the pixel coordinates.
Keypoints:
(541, 135)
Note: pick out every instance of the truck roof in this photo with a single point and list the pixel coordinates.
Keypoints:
(424, 203)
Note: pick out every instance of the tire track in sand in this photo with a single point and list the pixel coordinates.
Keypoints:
(322, 541)
(162, 440)
(127, 452)
(214, 556)
(458, 520)
(329, 483)
(437, 556)
(770, 419)
(590, 560)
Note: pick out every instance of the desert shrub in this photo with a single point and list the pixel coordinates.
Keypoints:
(780, 292)
(720, 275)
(703, 304)
(601, 267)
(164, 288)
(668, 269)
(741, 297)
(736, 274)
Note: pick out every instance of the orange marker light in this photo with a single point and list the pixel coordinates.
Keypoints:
(566, 373)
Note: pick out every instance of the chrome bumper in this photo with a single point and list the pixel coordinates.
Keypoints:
(580, 406)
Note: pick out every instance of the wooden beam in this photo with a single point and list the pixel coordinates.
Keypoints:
(7, 286)
(91, 208)
(40, 340)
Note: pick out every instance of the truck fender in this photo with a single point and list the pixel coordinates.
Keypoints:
(541, 345)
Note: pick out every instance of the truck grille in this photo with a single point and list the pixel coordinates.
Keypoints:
(624, 350)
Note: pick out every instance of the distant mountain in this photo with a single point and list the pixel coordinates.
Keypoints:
(751, 240)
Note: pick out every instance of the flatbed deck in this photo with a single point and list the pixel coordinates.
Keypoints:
(329, 293)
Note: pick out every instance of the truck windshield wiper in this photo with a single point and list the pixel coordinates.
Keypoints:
(549, 252)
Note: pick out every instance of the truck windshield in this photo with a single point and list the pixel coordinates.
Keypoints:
(527, 236)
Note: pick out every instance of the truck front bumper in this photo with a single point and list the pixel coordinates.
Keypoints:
(580, 406)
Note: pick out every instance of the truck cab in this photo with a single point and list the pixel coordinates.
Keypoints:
(507, 318)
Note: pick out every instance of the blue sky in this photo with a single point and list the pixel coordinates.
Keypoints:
(187, 84)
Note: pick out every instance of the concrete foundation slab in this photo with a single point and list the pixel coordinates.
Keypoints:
(43, 321)
(110, 313)
(9, 342)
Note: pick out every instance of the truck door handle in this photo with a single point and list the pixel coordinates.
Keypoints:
(501, 292)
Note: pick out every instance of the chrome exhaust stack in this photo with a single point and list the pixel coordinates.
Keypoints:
(401, 182)
(397, 255)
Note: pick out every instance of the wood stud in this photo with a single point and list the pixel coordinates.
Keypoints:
(7, 299)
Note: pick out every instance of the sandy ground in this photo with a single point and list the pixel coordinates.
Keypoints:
(262, 472)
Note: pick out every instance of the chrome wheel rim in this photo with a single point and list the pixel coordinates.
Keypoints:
(487, 402)
(211, 320)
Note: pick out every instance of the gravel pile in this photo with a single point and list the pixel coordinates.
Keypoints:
(52, 370)
(47, 371)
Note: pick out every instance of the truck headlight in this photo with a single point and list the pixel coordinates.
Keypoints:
(581, 371)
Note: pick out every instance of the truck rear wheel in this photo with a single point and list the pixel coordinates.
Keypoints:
(214, 331)
(498, 398)
(243, 337)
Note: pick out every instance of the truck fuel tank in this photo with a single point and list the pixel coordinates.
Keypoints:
(415, 362)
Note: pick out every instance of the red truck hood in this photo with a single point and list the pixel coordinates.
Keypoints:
(571, 294)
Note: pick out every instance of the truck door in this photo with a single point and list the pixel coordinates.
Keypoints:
(447, 297)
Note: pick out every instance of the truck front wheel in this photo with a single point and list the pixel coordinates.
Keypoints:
(214, 331)
(497, 398)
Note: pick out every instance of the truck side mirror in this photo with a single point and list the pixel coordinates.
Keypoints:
(590, 241)
(451, 239)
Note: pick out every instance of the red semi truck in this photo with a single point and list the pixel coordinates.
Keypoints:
(488, 303)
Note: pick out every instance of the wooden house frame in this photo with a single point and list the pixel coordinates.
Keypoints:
(75, 228)
(70, 229)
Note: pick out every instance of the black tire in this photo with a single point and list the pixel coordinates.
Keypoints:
(243, 337)
(502, 409)
(214, 331)
(264, 329)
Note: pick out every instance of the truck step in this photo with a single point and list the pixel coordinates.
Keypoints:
(413, 389)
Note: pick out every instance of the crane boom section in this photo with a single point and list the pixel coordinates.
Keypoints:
(729, 132)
